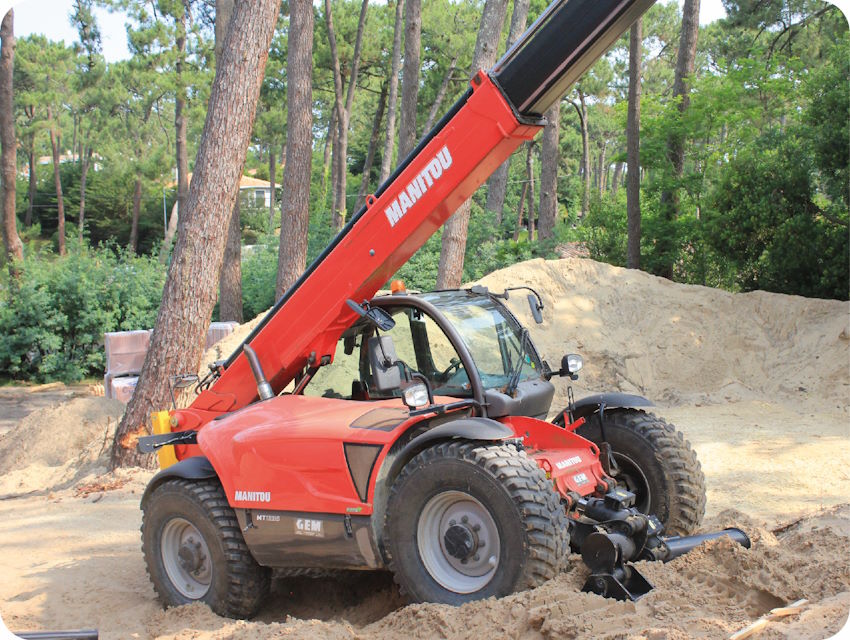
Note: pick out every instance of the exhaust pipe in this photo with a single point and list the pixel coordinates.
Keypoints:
(264, 389)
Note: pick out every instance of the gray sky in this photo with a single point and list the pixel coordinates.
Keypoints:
(51, 18)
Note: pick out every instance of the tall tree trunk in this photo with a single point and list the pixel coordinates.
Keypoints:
(441, 95)
(373, 145)
(326, 158)
(295, 201)
(343, 109)
(32, 180)
(230, 278)
(497, 185)
(170, 232)
(8, 158)
(581, 108)
(182, 156)
(410, 87)
(395, 66)
(633, 147)
(669, 201)
(615, 179)
(189, 294)
(55, 141)
(335, 166)
(549, 156)
(133, 244)
(273, 189)
(529, 170)
(520, 211)
(85, 163)
(453, 247)
(602, 169)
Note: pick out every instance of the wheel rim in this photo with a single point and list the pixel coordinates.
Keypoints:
(633, 478)
(458, 541)
(186, 558)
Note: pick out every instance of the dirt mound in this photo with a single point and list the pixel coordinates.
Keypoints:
(57, 444)
(677, 344)
(712, 592)
(683, 343)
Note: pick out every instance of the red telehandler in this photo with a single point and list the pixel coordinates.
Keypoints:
(407, 432)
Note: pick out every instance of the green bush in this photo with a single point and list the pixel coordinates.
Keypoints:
(259, 277)
(55, 313)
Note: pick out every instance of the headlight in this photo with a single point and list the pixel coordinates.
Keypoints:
(416, 395)
(574, 363)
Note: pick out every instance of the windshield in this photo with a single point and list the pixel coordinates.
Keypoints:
(493, 339)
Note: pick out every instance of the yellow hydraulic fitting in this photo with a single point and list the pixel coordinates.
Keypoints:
(162, 424)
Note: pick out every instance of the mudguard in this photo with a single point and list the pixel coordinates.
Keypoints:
(591, 404)
(195, 468)
(465, 428)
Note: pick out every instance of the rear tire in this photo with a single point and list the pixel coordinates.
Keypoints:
(657, 464)
(195, 552)
(467, 521)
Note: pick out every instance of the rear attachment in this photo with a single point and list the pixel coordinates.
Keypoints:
(610, 533)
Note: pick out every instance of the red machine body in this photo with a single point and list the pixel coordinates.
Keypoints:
(288, 453)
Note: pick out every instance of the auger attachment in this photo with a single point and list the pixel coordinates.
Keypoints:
(610, 533)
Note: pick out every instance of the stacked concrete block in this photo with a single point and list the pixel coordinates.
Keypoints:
(219, 331)
(125, 355)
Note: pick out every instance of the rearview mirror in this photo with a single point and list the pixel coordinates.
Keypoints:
(382, 359)
(535, 308)
(376, 316)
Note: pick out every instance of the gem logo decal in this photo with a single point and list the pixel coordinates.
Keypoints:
(307, 527)
(432, 172)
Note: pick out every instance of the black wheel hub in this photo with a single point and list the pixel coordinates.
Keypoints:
(632, 478)
(460, 541)
(190, 556)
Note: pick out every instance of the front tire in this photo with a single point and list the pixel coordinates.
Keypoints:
(195, 552)
(467, 521)
(657, 464)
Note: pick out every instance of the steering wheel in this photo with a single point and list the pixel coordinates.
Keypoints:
(454, 365)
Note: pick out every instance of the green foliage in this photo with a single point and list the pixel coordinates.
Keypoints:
(828, 121)
(604, 229)
(259, 276)
(766, 223)
(55, 314)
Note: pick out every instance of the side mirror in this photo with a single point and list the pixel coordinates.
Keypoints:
(382, 359)
(378, 317)
(535, 305)
(571, 364)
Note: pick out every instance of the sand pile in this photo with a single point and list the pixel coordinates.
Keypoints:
(56, 445)
(710, 593)
(677, 344)
(682, 344)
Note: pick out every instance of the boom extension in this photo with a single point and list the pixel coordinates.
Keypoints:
(498, 113)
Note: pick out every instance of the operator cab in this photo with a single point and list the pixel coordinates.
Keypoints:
(465, 344)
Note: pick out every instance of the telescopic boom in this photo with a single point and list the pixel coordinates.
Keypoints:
(501, 109)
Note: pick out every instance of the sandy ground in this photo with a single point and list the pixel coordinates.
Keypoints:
(758, 383)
